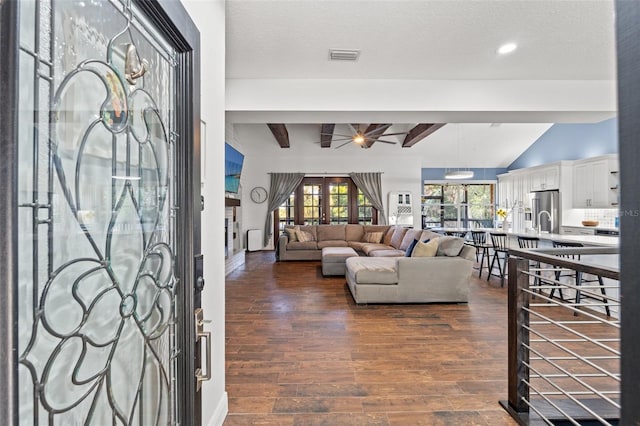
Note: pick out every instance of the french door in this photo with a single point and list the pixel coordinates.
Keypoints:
(101, 220)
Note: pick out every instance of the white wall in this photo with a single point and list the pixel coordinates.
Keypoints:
(401, 168)
(209, 16)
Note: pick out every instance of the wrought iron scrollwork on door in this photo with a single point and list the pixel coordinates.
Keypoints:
(102, 324)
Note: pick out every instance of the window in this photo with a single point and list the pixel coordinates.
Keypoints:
(453, 205)
(365, 210)
(338, 203)
(328, 200)
(286, 213)
(312, 207)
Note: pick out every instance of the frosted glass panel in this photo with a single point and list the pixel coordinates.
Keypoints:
(97, 283)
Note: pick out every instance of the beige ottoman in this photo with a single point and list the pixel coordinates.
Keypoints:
(334, 258)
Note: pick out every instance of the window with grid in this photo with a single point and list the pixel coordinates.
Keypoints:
(471, 204)
(338, 203)
(365, 210)
(287, 212)
(312, 204)
(325, 200)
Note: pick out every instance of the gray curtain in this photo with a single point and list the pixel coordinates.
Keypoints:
(371, 186)
(282, 185)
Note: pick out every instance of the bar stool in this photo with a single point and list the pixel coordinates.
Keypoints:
(499, 243)
(580, 280)
(528, 243)
(479, 241)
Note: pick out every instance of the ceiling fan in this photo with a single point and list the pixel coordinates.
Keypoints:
(364, 135)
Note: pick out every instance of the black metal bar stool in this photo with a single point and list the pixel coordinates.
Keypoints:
(479, 242)
(499, 245)
(527, 242)
(580, 280)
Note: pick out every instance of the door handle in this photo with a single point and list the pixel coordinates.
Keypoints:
(206, 335)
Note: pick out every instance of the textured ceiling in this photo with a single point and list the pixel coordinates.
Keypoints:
(425, 39)
(412, 40)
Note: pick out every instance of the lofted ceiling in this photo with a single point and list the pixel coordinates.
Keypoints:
(276, 49)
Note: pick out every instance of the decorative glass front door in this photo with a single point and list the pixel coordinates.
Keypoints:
(98, 284)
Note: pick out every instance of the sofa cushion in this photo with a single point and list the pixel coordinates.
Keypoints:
(357, 245)
(299, 245)
(429, 235)
(368, 248)
(409, 250)
(387, 253)
(331, 232)
(450, 246)
(304, 236)
(354, 232)
(388, 235)
(398, 235)
(372, 270)
(372, 237)
(332, 243)
(409, 237)
(425, 249)
(375, 228)
(291, 232)
(310, 229)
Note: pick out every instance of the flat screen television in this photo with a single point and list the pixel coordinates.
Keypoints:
(233, 161)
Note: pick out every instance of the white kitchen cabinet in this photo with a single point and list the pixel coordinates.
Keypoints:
(574, 230)
(545, 178)
(595, 183)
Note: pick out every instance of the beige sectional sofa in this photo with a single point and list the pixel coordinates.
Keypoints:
(441, 278)
(394, 243)
(381, 273)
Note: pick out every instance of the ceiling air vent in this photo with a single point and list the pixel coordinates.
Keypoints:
(343, 54)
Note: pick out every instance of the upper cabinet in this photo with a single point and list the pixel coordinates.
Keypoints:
(595, 182)
(545, 178)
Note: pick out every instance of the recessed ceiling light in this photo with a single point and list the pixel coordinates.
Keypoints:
(507, 48)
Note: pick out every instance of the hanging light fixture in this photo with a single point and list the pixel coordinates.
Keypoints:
(458, 174)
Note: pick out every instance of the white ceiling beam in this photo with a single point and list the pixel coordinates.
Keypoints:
(419, 101)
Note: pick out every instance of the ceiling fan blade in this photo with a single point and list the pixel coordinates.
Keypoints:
(342, 139)
(394, 134)
(346, 143)
(389, 142)
(336, 134)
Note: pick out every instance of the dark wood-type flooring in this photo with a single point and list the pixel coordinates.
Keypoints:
(299, 351)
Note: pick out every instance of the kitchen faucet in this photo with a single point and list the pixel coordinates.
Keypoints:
(540, 224)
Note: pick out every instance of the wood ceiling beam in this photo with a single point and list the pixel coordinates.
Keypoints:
(280, 133)
(420, 132)
(374, 131)
(326, 135)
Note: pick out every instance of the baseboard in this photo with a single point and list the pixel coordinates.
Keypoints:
(220, 413)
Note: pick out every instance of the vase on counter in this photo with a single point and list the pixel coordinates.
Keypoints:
(505, 225)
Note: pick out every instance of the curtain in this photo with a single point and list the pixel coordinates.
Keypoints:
(371, 186)
(282, 185)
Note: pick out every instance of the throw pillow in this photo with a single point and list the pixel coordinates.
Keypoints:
(291, 233)
(373, 237)
(425, 249)
(304, 236)
(450, 246)
(409, 250)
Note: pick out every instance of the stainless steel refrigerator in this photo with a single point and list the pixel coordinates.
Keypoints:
(546, 201)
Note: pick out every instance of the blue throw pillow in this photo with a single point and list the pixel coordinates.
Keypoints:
(412, 245)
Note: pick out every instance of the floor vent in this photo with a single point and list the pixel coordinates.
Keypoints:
(343, 54)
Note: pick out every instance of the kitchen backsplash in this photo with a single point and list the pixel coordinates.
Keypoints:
(606, 217)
